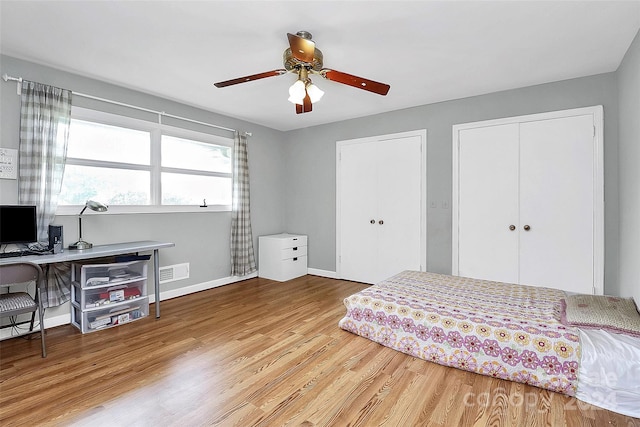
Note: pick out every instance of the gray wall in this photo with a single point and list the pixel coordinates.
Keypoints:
(629, 171)
(201, 239)
(311, 162)
(293, 173)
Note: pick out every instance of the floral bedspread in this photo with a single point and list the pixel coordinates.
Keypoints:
(502, 330)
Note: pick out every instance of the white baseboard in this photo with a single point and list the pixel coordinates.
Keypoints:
(322, 273)
(65, 319)
(174, 293)
(50, 322)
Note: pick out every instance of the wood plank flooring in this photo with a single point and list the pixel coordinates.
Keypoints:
(258, 353)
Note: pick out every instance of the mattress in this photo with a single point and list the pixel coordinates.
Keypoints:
(508, 331)
(501, 330)
(609, 372)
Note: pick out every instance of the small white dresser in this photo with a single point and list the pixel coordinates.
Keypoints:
(282, 256)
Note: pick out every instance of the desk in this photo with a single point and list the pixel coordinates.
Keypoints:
(101, 251)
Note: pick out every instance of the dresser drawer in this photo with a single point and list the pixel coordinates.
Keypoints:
(291, 242)
(285, 241)
(296, 251)
(293, 267)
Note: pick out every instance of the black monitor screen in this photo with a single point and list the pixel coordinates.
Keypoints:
(18, 224)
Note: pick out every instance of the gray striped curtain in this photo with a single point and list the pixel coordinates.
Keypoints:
(243, 260)
(45, 115)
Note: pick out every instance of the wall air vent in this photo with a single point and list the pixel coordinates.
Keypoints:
(171, 273)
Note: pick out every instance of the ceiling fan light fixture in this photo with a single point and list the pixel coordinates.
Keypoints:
(293, 100)
(314, 92)
(303, 58)
(297, 92)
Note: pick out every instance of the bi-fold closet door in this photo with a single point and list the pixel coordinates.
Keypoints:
(381, 218)
(528, 200)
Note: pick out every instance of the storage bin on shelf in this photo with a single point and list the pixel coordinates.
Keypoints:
(101, 296)
(107, 295)
(114, 315)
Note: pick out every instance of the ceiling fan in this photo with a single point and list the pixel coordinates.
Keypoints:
(303, 58)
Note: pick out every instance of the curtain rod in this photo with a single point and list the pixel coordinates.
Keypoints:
(7, 78)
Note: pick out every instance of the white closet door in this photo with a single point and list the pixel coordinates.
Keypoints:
(380, 225)
(399, 187)
(488, 203)
(359, 206)
(553, 193)
(556, 202)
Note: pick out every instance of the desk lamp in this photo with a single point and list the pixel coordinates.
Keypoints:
(94, 206)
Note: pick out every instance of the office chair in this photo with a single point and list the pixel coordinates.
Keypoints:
(15, 303)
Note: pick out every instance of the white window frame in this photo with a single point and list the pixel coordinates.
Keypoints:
(155, 168)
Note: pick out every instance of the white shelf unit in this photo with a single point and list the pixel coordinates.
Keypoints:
(108, 295)
(282, 256)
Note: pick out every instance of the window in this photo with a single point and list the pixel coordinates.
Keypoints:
(194, 171)
(138, 166)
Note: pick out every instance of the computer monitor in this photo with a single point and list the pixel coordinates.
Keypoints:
(18, 224)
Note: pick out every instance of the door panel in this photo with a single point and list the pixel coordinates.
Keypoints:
(556, 201)
(358, 201)
(488, 203)
(399, 184)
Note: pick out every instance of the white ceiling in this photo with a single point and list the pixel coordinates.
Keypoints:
(428, 51)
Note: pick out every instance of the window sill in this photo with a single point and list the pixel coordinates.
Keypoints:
(117, 210)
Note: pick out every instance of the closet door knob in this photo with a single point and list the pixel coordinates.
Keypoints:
(381, 222)
(527, 228)
(373, 221)
(512, 227)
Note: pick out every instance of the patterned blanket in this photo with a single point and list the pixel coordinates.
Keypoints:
(501, 330)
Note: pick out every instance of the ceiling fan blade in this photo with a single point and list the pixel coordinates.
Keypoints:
(302, 49)
(250, 78)
(305, 107)
(355, 81)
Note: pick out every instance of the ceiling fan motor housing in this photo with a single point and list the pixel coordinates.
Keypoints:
(290, 62)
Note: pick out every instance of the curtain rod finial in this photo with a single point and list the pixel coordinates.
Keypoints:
(18, 80)
(6, 77)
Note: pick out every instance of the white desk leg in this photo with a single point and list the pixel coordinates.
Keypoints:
(156, 280)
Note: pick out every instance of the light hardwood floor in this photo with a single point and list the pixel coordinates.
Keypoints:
(258, 353)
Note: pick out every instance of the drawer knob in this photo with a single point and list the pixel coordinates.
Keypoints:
(295, 259)
(527, 228)
(373, 221)
(512, 227)
(295, 249)
(381, 222)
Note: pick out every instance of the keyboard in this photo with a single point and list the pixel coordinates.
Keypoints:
(11, 254)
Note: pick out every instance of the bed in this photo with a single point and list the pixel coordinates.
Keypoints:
(507, 331)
